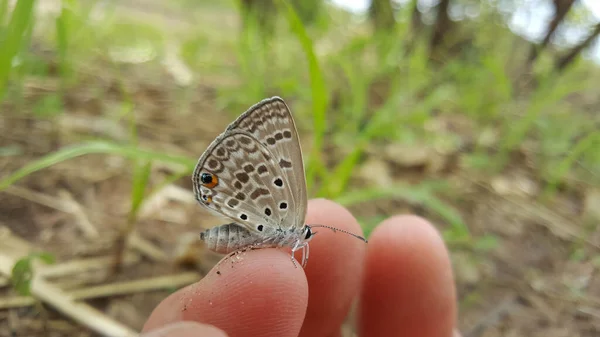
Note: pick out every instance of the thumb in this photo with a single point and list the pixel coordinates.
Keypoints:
(186, 329)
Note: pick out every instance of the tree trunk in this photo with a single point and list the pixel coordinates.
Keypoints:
(566, 60)
(308, 10)
(561, 8)
(416, 23)
(441, 28)
(416, 27)
(258, 12)
(382, 15)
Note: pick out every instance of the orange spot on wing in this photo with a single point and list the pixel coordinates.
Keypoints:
(214, 182)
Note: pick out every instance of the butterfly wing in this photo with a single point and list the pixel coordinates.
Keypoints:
(270, 122)
(239, 178)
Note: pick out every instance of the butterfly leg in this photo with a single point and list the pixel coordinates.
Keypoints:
(294, 249)
(227, 257)
(238, 252)
(305, 252)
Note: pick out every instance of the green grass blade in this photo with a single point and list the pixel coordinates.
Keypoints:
(340, 177)
(90, 148)
(141, 177)
(546, 96)
(14, 38)
(421, 194)
(3, 11)
(63, 27)
(320, 95)
(167, 181)
(590, 142)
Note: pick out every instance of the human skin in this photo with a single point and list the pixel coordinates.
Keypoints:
(402, 278)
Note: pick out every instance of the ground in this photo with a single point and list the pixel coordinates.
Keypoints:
(536, 275)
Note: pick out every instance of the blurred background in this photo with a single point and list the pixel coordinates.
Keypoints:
(482, 116)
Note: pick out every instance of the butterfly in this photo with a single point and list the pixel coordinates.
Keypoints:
(253, 175)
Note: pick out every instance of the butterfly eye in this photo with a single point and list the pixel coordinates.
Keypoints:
(209, 180)
(308, 233)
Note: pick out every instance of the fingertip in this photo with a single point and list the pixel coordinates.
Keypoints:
(259, 292)
(408, 281)
(407, 232)
(334, 269)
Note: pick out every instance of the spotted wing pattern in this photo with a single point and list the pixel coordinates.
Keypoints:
(239, 178)
(270, 122)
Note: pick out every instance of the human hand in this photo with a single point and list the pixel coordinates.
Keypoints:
(402, 277)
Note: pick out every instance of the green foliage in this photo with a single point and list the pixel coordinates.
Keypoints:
(141, 178)
(422, 194)
(319, 93)
(48, 106)
(591, 142)
(252, 56)
(141, 168)
(351, 90)
(368, 224)
(22, 272)
(63, 27)
(74, 151)
(12, 150)
(549, 94)
(195, 52)
(13, 38)
(3, 12)
(486, 243)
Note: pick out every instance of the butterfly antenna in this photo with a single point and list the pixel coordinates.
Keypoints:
(340, 230)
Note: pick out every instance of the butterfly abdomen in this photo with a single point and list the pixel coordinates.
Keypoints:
(228, 238)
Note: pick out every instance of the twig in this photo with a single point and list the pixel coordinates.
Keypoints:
(161, 198)
(80, 266)
(117, 288)
(137, 286)
(16, 302)
(39, 198)
(588, 311)
(81, 218)
(146, 247)
(65, 204)
(80, 312)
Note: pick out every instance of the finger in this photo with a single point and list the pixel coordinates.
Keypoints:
(261, 294)
(186, 329)
(408, 289)
(334, 268)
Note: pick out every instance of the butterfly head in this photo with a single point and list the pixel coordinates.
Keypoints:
(307, 233)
